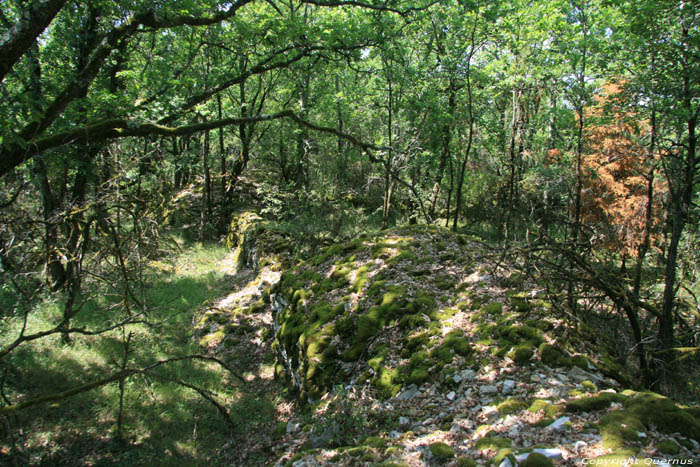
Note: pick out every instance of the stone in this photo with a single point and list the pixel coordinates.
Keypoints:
(579, 375)
(457, 378)
(451, 395)
(468, 374)
(293, 427)
(508, 387)
(409, 393)
(404, 421)
(506, 462)
(558, 424)
(488, 389)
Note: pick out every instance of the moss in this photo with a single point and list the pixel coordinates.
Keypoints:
(521, 354)
(550, 410)
(442, 451)
(410, 322)
(445, 283)
(494, 308)
(551, 355)
(442, 354)
(492, 443)
(536, 459)
(619, 427)
(353, 353)
(417, 342)
(376, 442)
(418, 376)
(502, 454)
(659, 411)
(457, 342)
(592, 403)
(367, 325)
(419, 359)
(510, 406)
(466, 462)
(520, 303)
(668, 446)
(425, 301)
(544, 422)
(386, 382)
(582, 362)
(376, 362)
(589, 386)
(344, 326)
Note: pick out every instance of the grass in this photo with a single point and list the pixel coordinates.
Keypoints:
(163, 423)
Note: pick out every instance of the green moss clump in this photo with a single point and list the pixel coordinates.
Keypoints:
(466, 462)
(493, 443)
(494, 308)
(521, 354)
(457, 342)
(376, 442)
(360, 279)
(551, 355)
(589, 386)
(619, 427)
(354, 353)
(592, 403)
(442, 354)
(442, 451)
(386, 382)
(345, 326)
(581, 362)
(510, 406)
(367, 325)
(418, 376)
(425, 301)
(376, 288)
(410, 322)
(550, 410)
(417, 342)
(536, 459)
(668, 446)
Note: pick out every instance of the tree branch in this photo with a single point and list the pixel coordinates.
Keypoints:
(20, 37)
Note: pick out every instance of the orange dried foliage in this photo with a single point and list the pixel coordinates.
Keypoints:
(615, 170)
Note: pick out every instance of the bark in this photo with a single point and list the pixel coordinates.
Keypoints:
(681, 202)
(22, 35)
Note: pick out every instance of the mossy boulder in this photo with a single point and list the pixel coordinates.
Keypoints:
(441, 451)
(521, 354)
(668, 446)
(536, 459)
(552, 356)
(510, 406)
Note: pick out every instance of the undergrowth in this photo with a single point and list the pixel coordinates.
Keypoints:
(163, 423)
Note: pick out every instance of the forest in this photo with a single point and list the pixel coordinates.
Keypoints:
(158, 156)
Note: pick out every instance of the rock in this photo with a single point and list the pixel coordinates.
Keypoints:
(457, 378)
(488, 389)
(558, 424)
(468, 392)
(323, 439)
(293, 427)
(579, 375)
(468, 374)
(404, 421)
(514, 432)
(395, 434)
(506, 463)
(409, 393)
(508, 386)
(451, 395)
